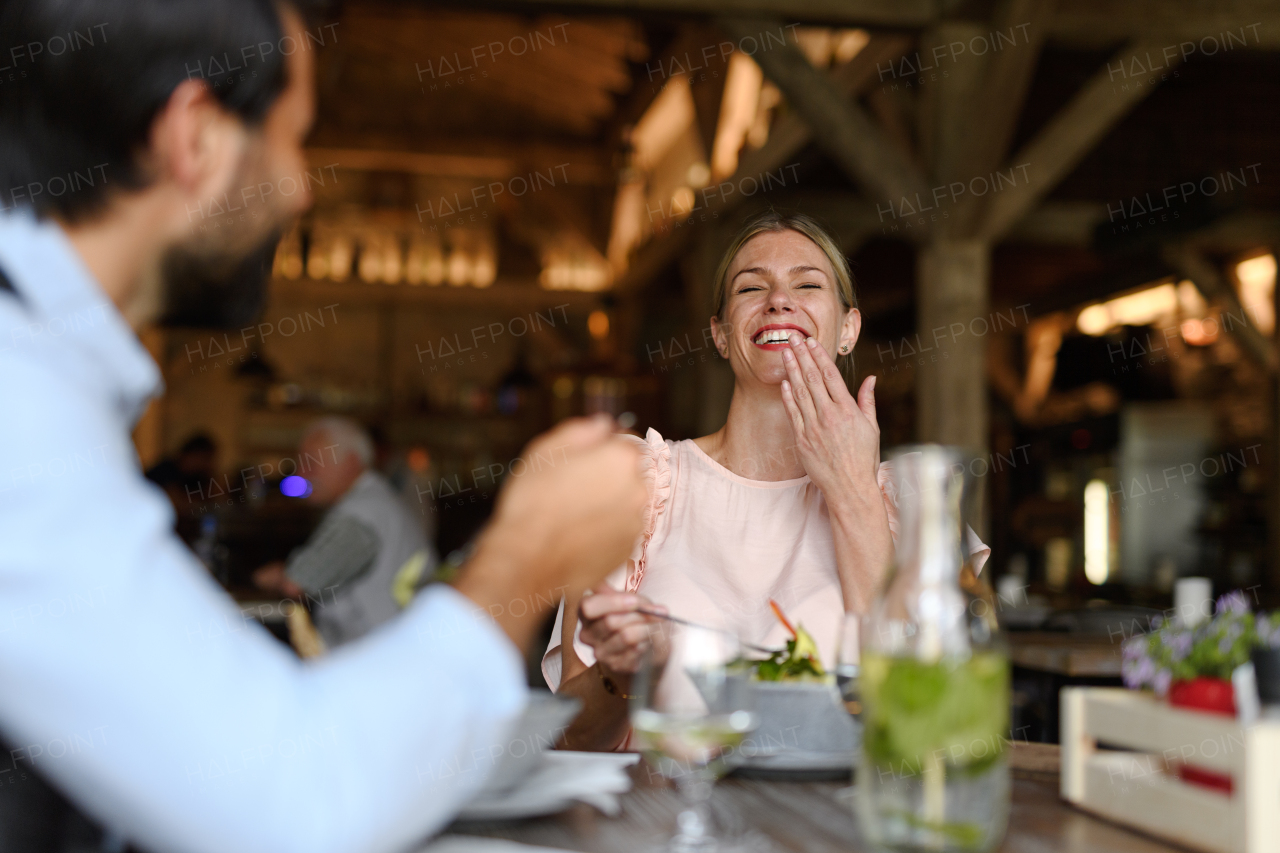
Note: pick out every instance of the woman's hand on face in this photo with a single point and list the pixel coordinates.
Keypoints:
(837, 437)
(614, 629)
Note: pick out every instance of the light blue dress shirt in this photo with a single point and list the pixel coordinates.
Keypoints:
(132, 681)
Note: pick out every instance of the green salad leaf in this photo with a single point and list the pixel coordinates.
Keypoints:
(798, 661)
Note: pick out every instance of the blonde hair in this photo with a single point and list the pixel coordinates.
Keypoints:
(772, 221)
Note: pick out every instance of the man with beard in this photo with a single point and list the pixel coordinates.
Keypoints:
(129, 682)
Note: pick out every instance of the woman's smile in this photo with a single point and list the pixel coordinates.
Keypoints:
(777, 336)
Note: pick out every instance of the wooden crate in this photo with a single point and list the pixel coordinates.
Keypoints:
(1132, 781)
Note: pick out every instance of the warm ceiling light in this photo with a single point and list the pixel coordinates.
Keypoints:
(340, 259)
(391, 262)
(1136, 309)
(1094, 320)
(484, 271)
(1200, 332)
(666, 120)
(848, 44)
(458, 268)
(370, 266)
(629, 223)
(1257, 278)
(413, 263)
(1145, 306)
(1190, 300)
(737, 113)
(682, 201)
(1097, 540)
(770, 97)
(598, 324)
(432, 265)
(291, 266)
(288, 260)
(317, 263)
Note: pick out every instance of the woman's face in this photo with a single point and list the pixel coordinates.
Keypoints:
(780, 284)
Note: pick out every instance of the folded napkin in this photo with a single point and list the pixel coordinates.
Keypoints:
(561, 777)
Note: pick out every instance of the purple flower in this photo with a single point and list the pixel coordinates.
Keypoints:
(1144, 671)
(1233, 602)
(1161, 681)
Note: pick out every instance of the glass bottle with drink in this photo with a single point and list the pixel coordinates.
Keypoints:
(934, 680)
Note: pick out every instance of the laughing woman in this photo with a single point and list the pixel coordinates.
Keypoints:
(788, 500)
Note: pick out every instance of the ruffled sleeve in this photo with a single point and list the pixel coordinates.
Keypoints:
(977, 550)
(655, 470)
(655, 461)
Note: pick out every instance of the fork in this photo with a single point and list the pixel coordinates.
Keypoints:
(688, 624)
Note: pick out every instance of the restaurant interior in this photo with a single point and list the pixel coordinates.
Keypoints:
(1060, 217)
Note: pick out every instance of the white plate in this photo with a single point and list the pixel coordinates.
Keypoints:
(561, 778)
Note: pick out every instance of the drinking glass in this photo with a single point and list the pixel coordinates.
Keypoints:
(691, 704)
(848, 659)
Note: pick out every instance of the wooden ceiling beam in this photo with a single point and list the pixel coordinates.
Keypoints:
(852, 13)
(840, 126)
(1241, 231)
(1005, 82)
(788, 136)
(1097, 23)
(1214, 287)
(1067, 138)
(1081, 23)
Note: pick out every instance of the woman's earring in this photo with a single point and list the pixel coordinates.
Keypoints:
(844, 348)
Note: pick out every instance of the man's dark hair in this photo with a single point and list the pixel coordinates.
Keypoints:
(85, 79)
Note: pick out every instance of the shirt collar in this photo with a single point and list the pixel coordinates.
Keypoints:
(64, 305)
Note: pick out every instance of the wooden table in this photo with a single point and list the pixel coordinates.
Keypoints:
(1046, 661)
(807, 817)
(1072, 655)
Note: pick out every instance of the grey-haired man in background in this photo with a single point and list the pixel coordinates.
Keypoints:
(367, 555)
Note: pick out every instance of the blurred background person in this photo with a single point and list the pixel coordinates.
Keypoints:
(368, 546)
(186, 475)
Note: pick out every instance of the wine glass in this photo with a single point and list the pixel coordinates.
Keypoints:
(691, 705)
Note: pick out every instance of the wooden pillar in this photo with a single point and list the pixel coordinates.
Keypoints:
(952, 267)
(951, 387)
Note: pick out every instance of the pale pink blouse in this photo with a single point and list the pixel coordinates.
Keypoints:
(716, 547)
